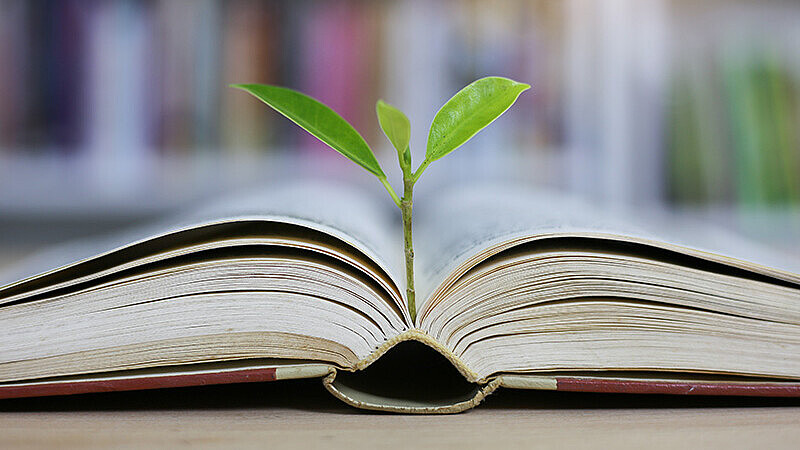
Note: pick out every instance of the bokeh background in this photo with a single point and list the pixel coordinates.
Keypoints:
(114, 112)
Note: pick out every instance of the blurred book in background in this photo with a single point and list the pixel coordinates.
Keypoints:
(122, 107)
(144, 84)
(735, 110)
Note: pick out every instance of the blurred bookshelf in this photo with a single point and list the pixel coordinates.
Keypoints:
(118, 111)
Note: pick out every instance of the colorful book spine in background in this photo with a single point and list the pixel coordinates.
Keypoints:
(334, 66)
(349, 53)
(13, 39)
(95, 80)
(757, 118)
(714, 159)
(761, 74)
(733, 129)
(684, 163)
(116, 104)
(177, 33)
(53, 50)
(65, 81)
(207, 81)
(250, 38)
(782, 127)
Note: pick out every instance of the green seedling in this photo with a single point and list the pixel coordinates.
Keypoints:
(466, 113)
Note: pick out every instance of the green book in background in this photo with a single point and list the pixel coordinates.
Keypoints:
(733, 130)
(762, 74)
(710, 143)
(743, 119)
(783, 124)
(685, 171)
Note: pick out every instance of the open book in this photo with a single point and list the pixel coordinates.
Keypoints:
(516, 289)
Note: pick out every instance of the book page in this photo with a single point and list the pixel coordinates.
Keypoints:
(456, 226)
(357, 217)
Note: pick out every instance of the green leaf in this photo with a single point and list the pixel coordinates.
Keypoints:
(319, 120)
(396, 127)
(469, 111)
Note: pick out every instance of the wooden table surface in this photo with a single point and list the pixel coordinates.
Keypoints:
(301, 414)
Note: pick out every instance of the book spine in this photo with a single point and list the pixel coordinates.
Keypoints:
(136, 383)
(332, 68)
(250, 43)
(579, 384)
(115, 100)
(13, 37)
(615, 385)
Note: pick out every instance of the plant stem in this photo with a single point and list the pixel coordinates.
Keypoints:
(405, 207)
(391, 192)
(420, 169)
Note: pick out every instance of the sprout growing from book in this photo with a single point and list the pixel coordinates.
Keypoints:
(465, 114)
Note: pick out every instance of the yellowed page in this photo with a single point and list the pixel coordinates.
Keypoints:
(464, 225)
(355, 216)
